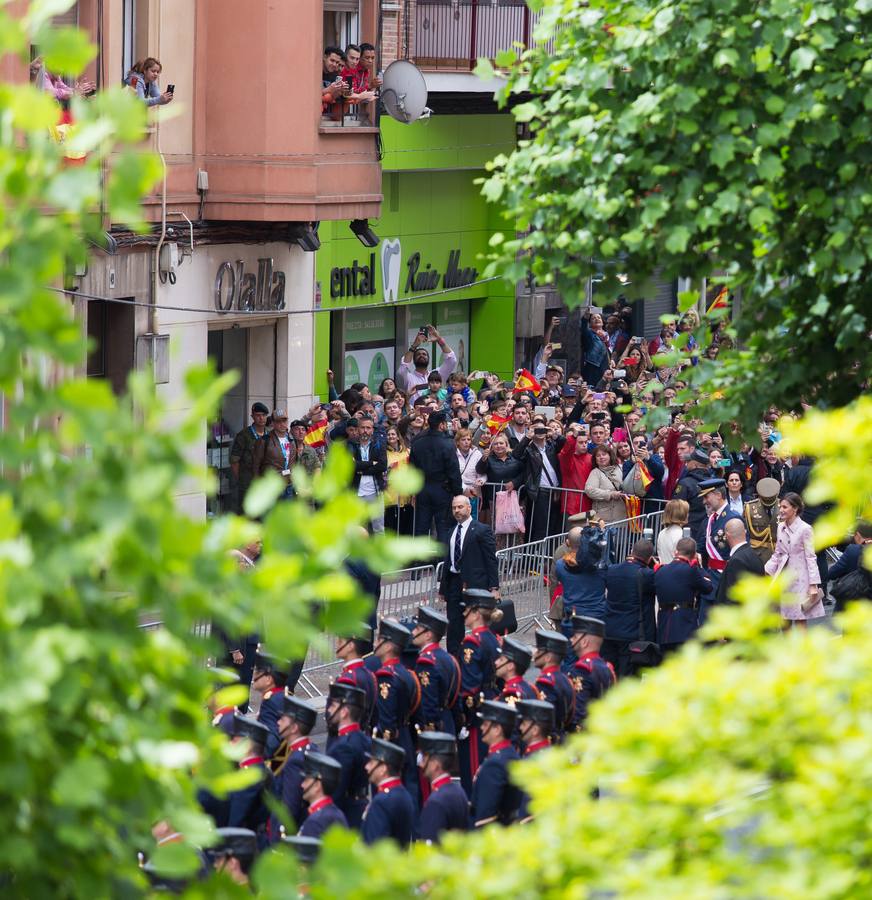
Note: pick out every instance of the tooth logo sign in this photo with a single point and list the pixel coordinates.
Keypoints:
(391, 257)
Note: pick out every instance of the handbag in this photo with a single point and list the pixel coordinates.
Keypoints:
(632, 483)
(508, 516)
(644, 654)
(856, 585)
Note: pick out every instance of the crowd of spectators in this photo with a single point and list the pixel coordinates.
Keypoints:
(349, 82)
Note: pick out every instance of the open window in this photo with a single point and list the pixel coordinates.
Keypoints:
(341, 23)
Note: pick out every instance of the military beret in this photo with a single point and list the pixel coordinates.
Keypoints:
(238, 842)
(432, 620)
(478, 597)
(346, 692)
(712, 484)
(518, 652)
(588, 625)
(438, 742)
(388, 753)
(306, 848)
(248, 726)
(299, 710)
(552, 642)
(391, 630)
(501, 713)
(324, 768)
(539, 711)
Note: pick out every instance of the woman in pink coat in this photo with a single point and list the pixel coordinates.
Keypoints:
(794, 553)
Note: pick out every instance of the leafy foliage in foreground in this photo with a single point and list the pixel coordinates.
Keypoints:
(703, 136)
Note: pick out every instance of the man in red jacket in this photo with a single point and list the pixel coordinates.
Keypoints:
(575, 465)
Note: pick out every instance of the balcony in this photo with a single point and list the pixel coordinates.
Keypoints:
(451, 35)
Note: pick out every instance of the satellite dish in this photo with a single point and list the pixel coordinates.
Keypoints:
(404, 92)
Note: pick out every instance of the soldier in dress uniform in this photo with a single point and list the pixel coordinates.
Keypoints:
(688, 489)
(447, 807)
(355, 651)
(536, 726)
(494, 797)
(391, 812)
(552, 684)
(761, 519)
(478, 651)
(269, 678)
(348, 745)
(681, 586)
(286, 765)
(438, 673)
(321, 775)
(717, 550)
(399, 696)
(234, 852)
(591, 675)
(514, 660)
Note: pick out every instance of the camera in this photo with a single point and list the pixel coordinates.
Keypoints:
(619, 373)
(423, 331)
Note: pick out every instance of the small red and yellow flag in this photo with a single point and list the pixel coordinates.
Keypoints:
(645, 476)
(526, 382)
(316, 436)
(721, 301)
(633, 506)
(495, 424)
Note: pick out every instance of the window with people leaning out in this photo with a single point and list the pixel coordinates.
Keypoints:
(349, 85)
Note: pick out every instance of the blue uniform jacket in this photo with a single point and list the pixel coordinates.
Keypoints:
(287, 785)
(591, 677)
(399, 696)
(446, 809)
(390, 814)
(555, 687)
(323, 818)
(479, 649)
(271, 707)
(679, 586)
(494, 797)
(623, 582)
(584, 592)
(246, 807)
(350, 750)
(361, 673)
(439, 676)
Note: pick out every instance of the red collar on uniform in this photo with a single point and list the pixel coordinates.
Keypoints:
(515, 679)
(432, 646)
(480, 629)
(299, 743)
(440, 782)
(499, 746)
(389, 784)
(539, 745)
(592, 655)
(250, 761)
(269, 692)
(549, 669)
(391, 662)
(347, 729)
(351, 666)
(320, 804)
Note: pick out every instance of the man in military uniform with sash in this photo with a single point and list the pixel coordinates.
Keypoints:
(438, 673)
(761, 519)
(591, 675)
(717, 550)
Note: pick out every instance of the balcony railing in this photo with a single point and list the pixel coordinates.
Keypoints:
(451, 35)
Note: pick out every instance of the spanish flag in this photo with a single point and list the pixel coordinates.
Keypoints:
(644, 475)
(495, 424)
(526, 382)
(633, 506)
(316, 436)
(721, 301)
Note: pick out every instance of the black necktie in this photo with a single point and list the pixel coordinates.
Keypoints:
(457, 547)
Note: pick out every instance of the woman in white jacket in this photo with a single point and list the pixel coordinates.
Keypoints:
(675, 517)
(467, 457)
(603, 486)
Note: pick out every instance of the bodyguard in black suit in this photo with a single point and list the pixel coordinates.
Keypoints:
(679, 586)
(743, 560)
(471, 562)
(435, 456)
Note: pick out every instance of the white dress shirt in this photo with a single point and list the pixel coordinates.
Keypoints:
(463, 527)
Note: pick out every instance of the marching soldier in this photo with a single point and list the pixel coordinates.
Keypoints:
(761, 519)
(536, 727)
(438, 672)
(270, 677)
(494, 797)
(447, 807)
(591, 675)
(348, 745)
(513, 661)
(478, 651)
(354, 651)
(321, 775)
(399, 696)
(552, 684)
(391, 812)
(234, 853)
(295, 723)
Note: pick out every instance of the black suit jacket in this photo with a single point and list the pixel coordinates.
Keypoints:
(530, 455)
(743, 561)
(478, 559)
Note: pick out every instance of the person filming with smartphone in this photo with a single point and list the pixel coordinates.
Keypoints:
(414, 369)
